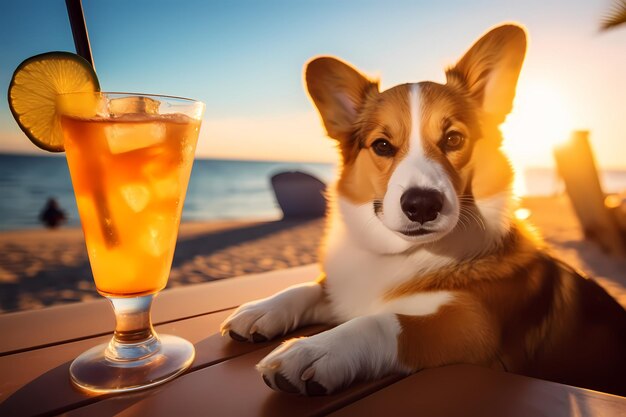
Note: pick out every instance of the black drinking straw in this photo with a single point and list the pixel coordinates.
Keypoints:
(79, 29)
(83, 48)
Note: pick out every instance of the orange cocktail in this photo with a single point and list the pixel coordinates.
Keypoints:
(130, 158)
(130, 174)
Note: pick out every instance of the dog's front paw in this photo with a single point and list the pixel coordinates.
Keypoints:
(310, 366)
(257, 321)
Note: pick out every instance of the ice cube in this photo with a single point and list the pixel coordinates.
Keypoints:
(167, 187)
(161, 167)
(129, 105)
(129, 136)
(158, 235)
(137, 196)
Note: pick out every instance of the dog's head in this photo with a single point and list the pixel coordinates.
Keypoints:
(421, 160)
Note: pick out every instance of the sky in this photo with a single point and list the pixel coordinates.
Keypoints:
(245, 60)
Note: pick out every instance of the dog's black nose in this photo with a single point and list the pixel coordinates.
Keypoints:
(421, 204)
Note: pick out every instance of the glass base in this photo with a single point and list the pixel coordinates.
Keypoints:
(97, 371)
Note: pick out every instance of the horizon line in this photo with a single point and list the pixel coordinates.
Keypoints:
(45, 154)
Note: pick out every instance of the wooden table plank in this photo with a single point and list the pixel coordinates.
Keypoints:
(464, 390)
(31, 374)
(26, 330)
(223, 380)
(23, 368)
(230, 388)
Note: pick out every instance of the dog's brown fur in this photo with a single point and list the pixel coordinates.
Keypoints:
(515, 306)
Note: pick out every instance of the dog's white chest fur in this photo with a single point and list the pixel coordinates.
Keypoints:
(357, 279)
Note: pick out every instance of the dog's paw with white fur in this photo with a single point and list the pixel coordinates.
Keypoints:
(262, 320)
(309, 365)
(258, 321)
(364, 347)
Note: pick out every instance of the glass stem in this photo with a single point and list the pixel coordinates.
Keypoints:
(134, 337)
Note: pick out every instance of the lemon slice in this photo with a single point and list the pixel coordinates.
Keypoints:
(33, 94)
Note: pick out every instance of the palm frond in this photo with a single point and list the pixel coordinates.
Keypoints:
(616, 17)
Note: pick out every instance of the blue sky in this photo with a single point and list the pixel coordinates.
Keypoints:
(244, 59)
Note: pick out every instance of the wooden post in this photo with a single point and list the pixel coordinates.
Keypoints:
(575, 164)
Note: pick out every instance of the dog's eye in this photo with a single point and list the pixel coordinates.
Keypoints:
(382, 147)
(453, 141)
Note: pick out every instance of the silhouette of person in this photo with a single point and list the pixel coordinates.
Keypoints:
(52, 216)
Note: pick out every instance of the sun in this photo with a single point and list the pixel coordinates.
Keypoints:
(540, 119)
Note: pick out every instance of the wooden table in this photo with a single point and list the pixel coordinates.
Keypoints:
(37, 347)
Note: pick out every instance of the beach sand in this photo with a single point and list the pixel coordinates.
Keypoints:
(40, 268)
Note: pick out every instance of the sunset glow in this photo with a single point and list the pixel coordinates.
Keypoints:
(541, 118)
(245, 64)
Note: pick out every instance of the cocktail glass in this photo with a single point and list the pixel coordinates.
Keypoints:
(130, 158)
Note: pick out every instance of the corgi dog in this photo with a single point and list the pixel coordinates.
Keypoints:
(423, 263)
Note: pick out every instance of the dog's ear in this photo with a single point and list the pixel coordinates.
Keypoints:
(490, 69)
(338, 91)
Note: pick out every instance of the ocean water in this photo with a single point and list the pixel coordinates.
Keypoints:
(218, 189)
